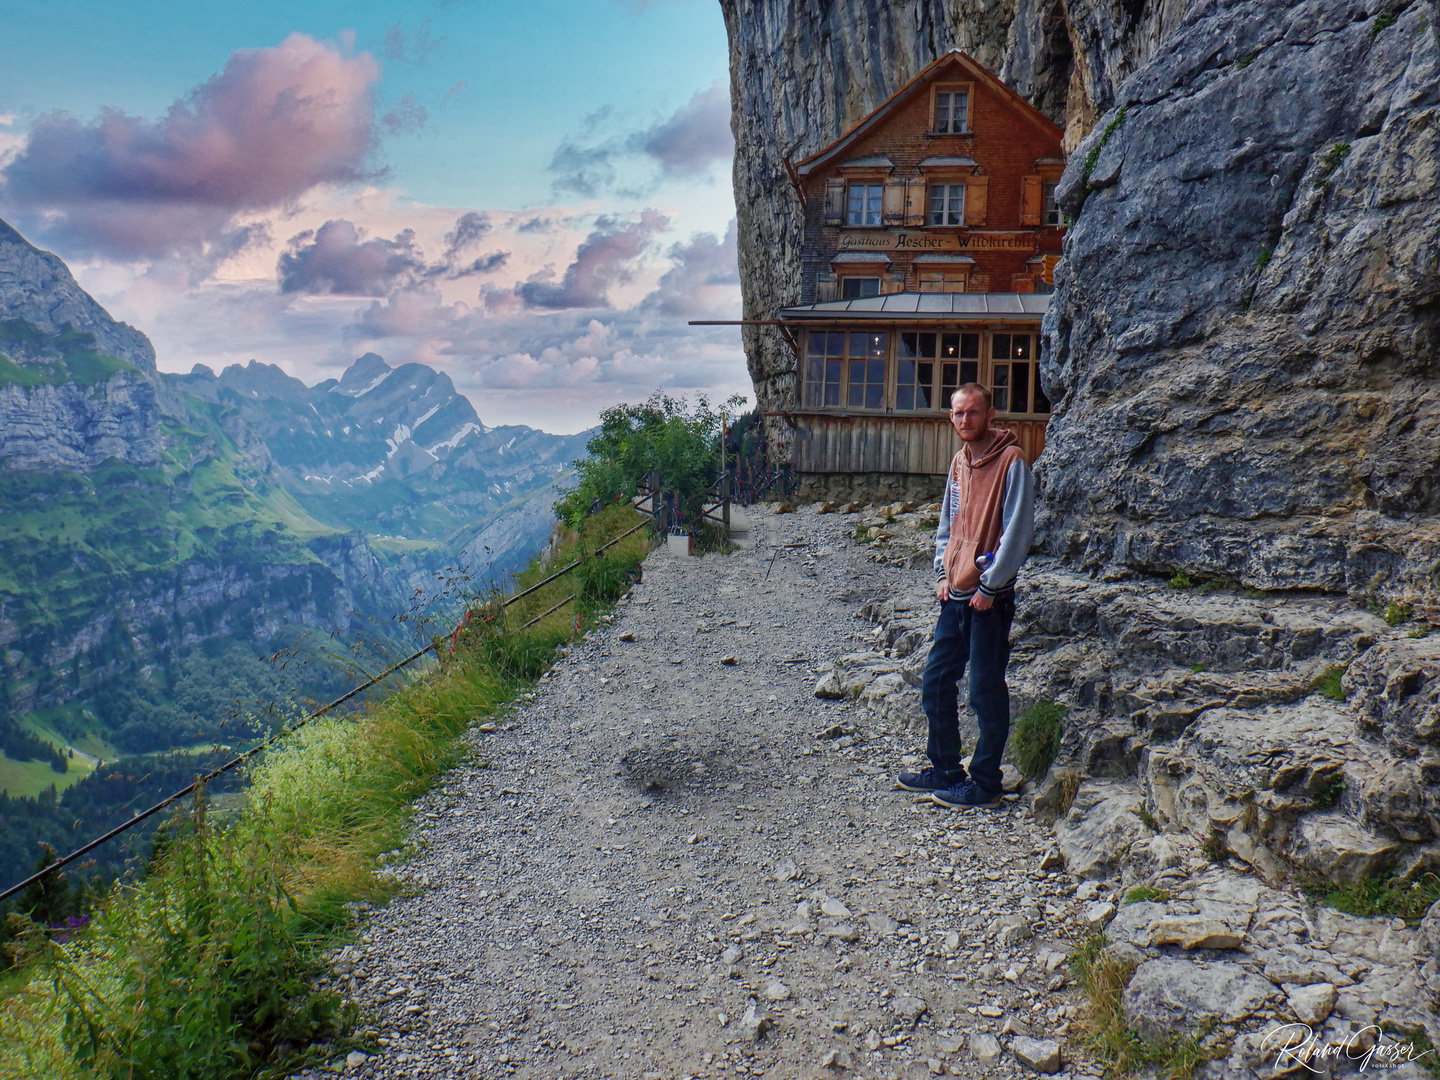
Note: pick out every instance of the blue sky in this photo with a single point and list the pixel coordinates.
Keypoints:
(581, 142)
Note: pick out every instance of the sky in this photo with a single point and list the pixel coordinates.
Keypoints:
(534, 198)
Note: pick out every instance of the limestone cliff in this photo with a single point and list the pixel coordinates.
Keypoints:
(1242, 346)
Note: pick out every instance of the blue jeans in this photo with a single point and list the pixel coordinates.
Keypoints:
(981, 639)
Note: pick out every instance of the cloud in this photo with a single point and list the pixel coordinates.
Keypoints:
(407, 115)
(411, 48)
(695, 137)
(685, 144)
(336, 258)
(606, 258)
(275, 123)
(456, 90)
(705, 274)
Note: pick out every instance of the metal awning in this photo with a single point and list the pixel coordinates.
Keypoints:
(918, 307)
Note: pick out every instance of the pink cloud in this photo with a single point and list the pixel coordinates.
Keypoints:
(273, 124)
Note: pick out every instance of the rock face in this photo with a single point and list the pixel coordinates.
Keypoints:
(1245, 337)
(36, 289)
(1250, 286)
(800, 75)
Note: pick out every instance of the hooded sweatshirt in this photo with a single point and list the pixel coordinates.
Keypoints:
(988, 508)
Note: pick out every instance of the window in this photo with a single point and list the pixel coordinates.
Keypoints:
(947, 204)
(959, 364)
(854, 288)
(867, 370)
(941, 281)
(863, 204)
(824, 364)
(845, 369)
(1050, 209)
(915, 381)
(952, 111)
(1015, 380)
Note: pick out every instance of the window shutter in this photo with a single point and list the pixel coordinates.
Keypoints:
(976, 190)
(1023, 283)
(894, 205)
(917, 196)
(826, 290)
(835, 201)
(1032, 201)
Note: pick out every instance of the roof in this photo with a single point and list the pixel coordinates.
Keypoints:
(873, 161)
(906, 307)
(932, 71)
(930, 257)
(944, 162)
(862, 257)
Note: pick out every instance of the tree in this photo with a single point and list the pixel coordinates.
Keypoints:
(664, 433)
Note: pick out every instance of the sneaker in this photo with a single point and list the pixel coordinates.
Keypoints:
(965, 794)
(932, 779)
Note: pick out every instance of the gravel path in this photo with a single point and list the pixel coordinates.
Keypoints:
(661, 861)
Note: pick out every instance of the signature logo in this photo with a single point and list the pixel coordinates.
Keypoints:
(1297, 1045)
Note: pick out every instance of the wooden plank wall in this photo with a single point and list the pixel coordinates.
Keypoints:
(891, 444)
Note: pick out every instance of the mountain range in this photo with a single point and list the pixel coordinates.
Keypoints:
(163, 534)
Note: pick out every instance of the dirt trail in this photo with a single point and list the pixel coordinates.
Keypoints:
(660, 840)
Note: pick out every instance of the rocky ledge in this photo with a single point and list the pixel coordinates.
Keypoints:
(1223, 752)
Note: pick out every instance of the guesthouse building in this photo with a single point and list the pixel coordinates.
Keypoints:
(931, 238)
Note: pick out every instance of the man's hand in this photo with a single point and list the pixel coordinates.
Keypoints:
(981, 602)
(942, 590)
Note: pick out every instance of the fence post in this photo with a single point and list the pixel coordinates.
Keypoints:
(725, 500)
(657, 505)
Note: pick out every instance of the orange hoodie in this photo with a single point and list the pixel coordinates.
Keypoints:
(977, 492)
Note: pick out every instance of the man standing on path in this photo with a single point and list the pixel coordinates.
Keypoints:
(987, 520)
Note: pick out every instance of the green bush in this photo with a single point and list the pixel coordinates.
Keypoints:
(1329, 791)
(1035, 737)
(1396, 613)
(1181, 580)
(664, 433)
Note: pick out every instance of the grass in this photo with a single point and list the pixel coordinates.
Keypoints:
(1102, 977)
(1383, 23)
(29, 778)
(1110, 129)
(1146, 818)
(208, 966)
(1333, 159)
(1181, 580)
(1145, 893)
(1328, 683)
(1396, 613)
(1263, 259)
(1213, 846)
(1328, 793)
(1035, 737)
(1383, 894)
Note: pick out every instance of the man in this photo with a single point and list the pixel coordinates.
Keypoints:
(987, 519)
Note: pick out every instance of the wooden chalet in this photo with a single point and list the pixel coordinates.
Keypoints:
(931, 238)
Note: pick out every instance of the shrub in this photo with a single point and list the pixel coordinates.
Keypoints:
(1181, 580)
(1395, 614)
(1035, 737)
(1213, 846)
(1146, 818)
(1328, 793)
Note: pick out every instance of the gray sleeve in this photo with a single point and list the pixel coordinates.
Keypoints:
(942, 531)
(1017, 518)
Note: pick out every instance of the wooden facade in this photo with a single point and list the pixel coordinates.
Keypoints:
(931, 237)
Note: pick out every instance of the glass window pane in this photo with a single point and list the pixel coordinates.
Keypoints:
(949, 345)
(909, 347)
(1021, 346)
(877, 344)
(832, 372)
(1000, 347)
(1001, 376)
(927, 345)
(873, 395)
(857, 344)
(815, 343)
(857, 394)
(904, 397)
(834, 344)
(1002, 398)
(876, 374)
(1020, 391)
(969, 346)
(969, 371)
(832, 394)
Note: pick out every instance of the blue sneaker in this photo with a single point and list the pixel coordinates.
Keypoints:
(965, 795)
(932, 779)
